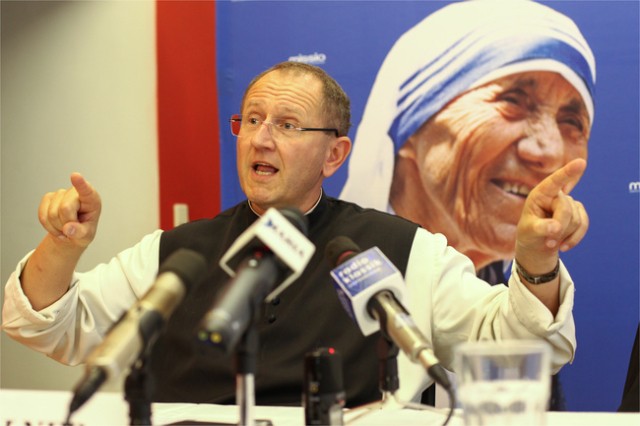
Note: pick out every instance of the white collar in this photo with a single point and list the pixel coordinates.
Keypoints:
(306, 213)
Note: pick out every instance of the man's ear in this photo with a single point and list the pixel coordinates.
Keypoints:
(336, 155)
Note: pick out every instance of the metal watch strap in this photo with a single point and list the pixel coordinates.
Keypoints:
(538, 279)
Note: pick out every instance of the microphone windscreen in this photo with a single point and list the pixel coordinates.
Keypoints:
(337, 248)
(187, 264)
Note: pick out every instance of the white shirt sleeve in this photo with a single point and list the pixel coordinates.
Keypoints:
(451, 305)
(71, 327)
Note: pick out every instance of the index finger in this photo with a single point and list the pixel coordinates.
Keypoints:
(82, 186)
(563, 179)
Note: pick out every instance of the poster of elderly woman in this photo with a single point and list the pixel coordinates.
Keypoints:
(458, 109)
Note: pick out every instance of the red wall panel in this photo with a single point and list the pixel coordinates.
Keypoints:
(188, 128)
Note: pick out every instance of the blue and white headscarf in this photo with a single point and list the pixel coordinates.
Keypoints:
(453, 50)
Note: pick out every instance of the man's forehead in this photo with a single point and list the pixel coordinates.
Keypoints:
(288, 76)
(280, 107)
(286, 90)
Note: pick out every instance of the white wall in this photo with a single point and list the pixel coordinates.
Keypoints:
(78, 93)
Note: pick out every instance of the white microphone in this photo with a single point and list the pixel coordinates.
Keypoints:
(263, 261)
(137, 329)
(371, 289)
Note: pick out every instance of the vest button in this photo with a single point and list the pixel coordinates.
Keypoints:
(271, 319)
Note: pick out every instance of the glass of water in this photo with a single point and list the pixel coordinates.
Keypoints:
(503, 383)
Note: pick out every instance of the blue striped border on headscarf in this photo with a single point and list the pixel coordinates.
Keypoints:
(441, 85)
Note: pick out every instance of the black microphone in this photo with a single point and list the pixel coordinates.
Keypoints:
(323, 393)
(263, 261)
(138, 328)
(371, 289)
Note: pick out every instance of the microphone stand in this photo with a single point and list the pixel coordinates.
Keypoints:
(387, 352)
(388, 380)
(245, 364)
(245, 360)
(137, 387)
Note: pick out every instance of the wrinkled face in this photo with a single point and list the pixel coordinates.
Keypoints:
(482, 154)
(277, 170)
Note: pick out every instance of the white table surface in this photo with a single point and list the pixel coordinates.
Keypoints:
(49, 408)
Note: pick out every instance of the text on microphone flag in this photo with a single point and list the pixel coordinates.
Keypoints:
(363, 270)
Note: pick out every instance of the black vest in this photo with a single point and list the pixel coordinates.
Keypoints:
(305, 316)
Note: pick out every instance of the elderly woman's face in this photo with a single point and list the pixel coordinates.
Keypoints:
(483, 153)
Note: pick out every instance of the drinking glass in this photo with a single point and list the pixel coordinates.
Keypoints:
(503, 382)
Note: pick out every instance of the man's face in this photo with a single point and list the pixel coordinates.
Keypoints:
(277, 170)
(482, 154)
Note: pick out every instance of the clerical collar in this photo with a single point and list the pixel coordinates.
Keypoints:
(306, 213)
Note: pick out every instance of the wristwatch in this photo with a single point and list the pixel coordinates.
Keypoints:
(538, 279)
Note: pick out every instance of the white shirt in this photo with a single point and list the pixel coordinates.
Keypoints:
(71, 327)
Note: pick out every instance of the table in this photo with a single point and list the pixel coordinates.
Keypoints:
(49, 408)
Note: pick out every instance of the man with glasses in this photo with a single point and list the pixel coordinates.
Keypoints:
(291, 135)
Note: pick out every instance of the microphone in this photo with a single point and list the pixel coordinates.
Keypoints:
(138, 328)
(371, 289)
(263, 261)
(323, 394)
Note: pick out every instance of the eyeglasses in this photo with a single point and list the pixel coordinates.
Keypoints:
(278, 126)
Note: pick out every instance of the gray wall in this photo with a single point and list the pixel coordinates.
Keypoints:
(78, 93)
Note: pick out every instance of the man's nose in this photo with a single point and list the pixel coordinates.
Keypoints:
(263, 136)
